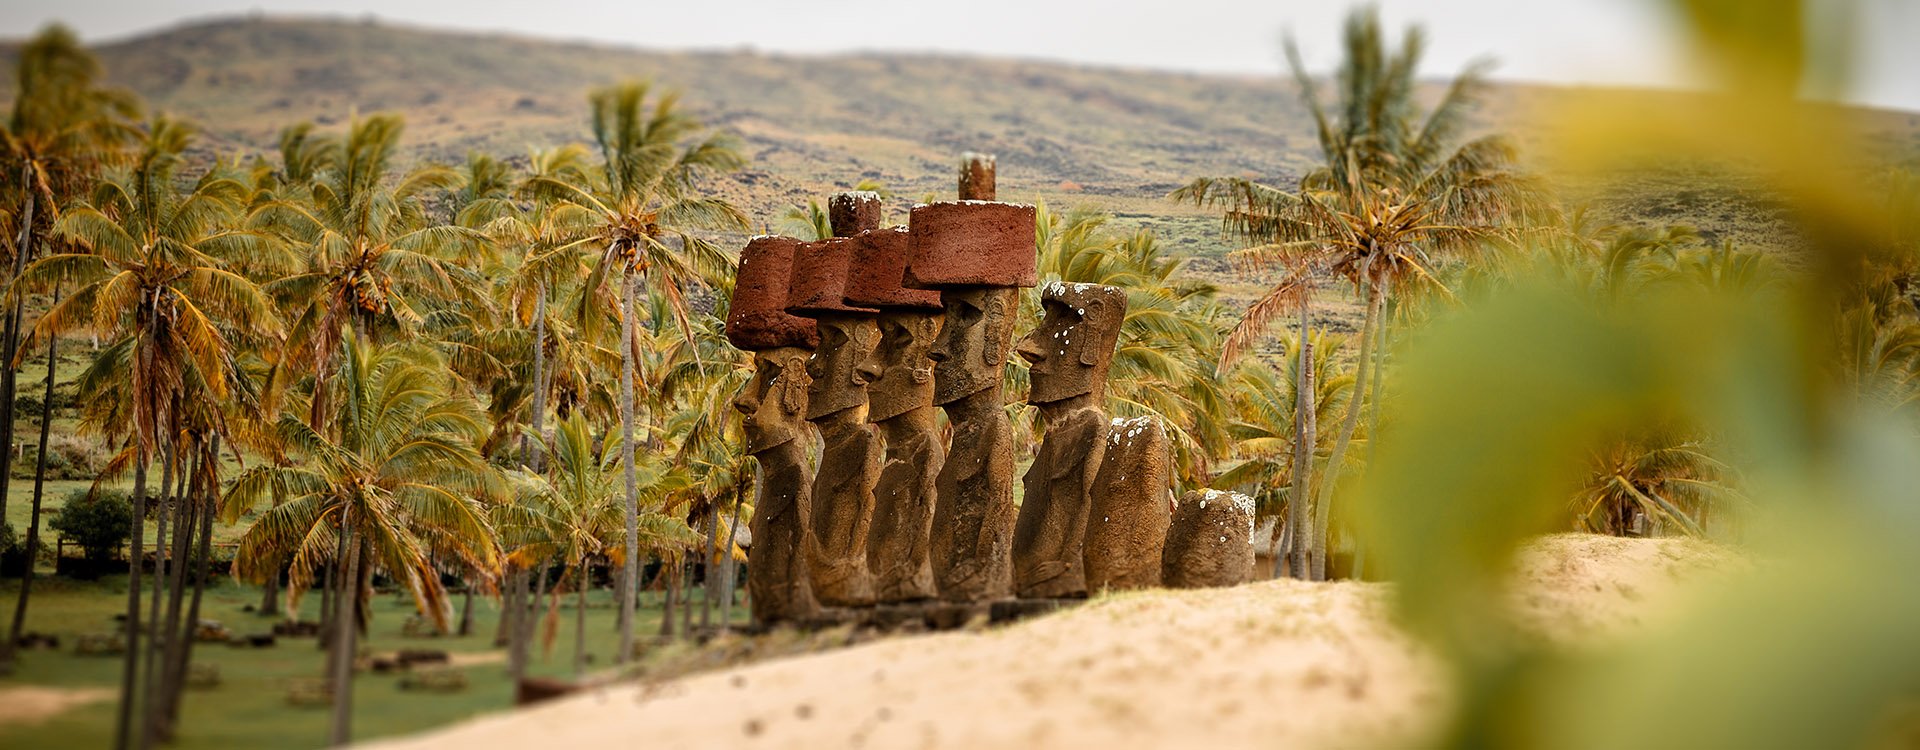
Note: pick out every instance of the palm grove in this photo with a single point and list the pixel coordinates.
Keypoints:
(511, 371)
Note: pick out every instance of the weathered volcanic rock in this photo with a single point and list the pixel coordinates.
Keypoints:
(853, 212)
(880, 267)
(1209, 543)
(758, 318)
(1132, 507)
(819, 280)
(972, 243)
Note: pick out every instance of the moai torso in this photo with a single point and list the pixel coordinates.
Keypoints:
(1210, 541)
(773, 404)
(777, 578)
(900, 403)
(842, 503)
(1068, 356)
(973, 514)
(1131, 507)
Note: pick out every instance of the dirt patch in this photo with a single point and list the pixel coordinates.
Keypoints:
(32, 705)
(1276, 663)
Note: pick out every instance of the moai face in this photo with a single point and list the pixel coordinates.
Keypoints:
(845, 342)
(1068, 355)
(774, 402)
(971, 350)
(899, 373)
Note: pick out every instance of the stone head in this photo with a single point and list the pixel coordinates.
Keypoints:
(899, 374)
(847, 333)
(970, 354)
(774, 402)
(1068, 355)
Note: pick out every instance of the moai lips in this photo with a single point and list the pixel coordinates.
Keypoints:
(1210, 541)
(758, 319)
(972, 244)
(1068, 356)
(1132, 507)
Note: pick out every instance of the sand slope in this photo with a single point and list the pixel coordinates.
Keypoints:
(1278, 663)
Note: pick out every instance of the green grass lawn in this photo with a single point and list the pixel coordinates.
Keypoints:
(249, 708)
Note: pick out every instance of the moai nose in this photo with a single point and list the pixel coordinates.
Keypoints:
(1029, 350)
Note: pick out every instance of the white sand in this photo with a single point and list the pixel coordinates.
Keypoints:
(1278, 663)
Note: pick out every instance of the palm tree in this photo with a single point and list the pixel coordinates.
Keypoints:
(150, 267)
(645, 202)
(63, 127)
(1268, 409)
(1640, 484)
(1395, 192)
(395, 488)
(574, 515)
(375, 262)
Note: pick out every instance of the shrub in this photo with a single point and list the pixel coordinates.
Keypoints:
(99, 522)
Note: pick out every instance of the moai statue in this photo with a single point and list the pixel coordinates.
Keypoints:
(837, 405)
(978, 253)
(1067, 358)
(1210, 542)
(1131, 508)
(899, 378)
(774, 404)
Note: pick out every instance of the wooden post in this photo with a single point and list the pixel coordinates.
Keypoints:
(976, 177)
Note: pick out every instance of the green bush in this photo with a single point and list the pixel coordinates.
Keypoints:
(99, 522)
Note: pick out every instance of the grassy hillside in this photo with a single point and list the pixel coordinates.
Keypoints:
(1064, 133)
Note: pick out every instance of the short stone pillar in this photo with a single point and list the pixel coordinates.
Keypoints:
(1210, 542)
(1132, 507)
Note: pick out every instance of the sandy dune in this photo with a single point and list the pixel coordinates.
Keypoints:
(1278, 663)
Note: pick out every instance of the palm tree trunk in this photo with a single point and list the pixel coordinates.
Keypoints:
(539, 376)
(186, 518)
(270, 593)
(1350, 421)
(629, 580)
(709, 564)
(669, 586)
(158, 633)
(201, 561)
(532, 616)
(727, 567)
(345, 633)
(686, 598)
(509, 599)
(23, 245)
(130, 671)
(1305, 411)
(580, 621)
(7, 650)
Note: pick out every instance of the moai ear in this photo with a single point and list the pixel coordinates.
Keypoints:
(1092, 320)
(998, 328)
(793, 389)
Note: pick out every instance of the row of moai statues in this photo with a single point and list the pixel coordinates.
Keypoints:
(860, 337)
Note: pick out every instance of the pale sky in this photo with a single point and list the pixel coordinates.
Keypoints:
(1559, 41)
